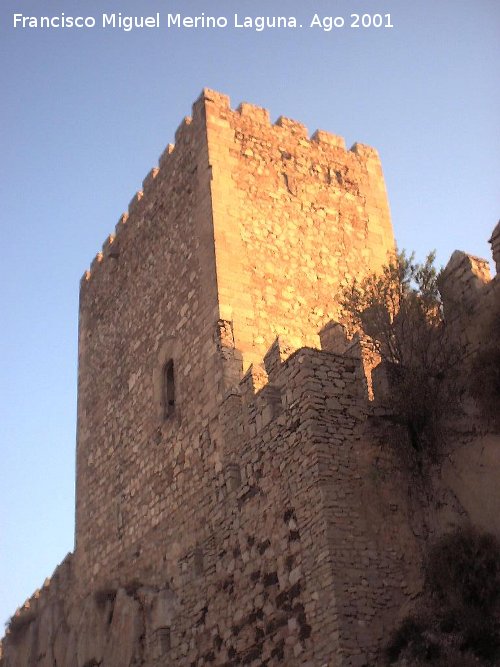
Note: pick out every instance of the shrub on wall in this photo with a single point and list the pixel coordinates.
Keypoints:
(400, 309)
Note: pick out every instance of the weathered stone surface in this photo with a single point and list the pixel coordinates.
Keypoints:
(124, 647)
(90, 634)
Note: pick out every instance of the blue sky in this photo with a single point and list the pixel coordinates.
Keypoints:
(85, 115)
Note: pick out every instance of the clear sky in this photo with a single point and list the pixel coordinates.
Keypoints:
(85, 115)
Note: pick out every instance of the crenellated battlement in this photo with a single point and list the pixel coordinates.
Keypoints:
(284, 127)
(288, 376)
(214, 110)
(467, 287)
(464, 277)
(140, 199)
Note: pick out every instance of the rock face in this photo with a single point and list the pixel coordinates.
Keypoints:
(228, 514)
(109, 627)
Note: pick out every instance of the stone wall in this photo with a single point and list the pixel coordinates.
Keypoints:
(285, 569)
(471, 297)
(470, 294)
(218, 255)
(148, 298)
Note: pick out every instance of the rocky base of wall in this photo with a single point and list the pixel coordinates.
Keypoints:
(117, 628)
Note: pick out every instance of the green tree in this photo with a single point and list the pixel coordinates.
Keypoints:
(400, 309)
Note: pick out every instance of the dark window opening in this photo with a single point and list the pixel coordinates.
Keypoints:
(198, 562)
(168, 389)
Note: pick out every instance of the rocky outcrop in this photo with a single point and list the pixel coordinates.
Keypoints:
(110, 627)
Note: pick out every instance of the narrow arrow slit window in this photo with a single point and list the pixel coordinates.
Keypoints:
(168, 389)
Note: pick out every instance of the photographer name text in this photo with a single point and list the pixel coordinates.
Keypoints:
(118, 21)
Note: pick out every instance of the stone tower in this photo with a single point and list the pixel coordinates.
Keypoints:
(220, 517)
(238, 500)
(244, 233)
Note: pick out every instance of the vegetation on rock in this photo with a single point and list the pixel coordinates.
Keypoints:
(457, 621)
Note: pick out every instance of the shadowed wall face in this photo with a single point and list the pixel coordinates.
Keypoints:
(148, 309)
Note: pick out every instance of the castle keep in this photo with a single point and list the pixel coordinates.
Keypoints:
(243, 234)
(234, 505)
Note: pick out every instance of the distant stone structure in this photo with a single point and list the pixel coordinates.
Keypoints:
(236, 504)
